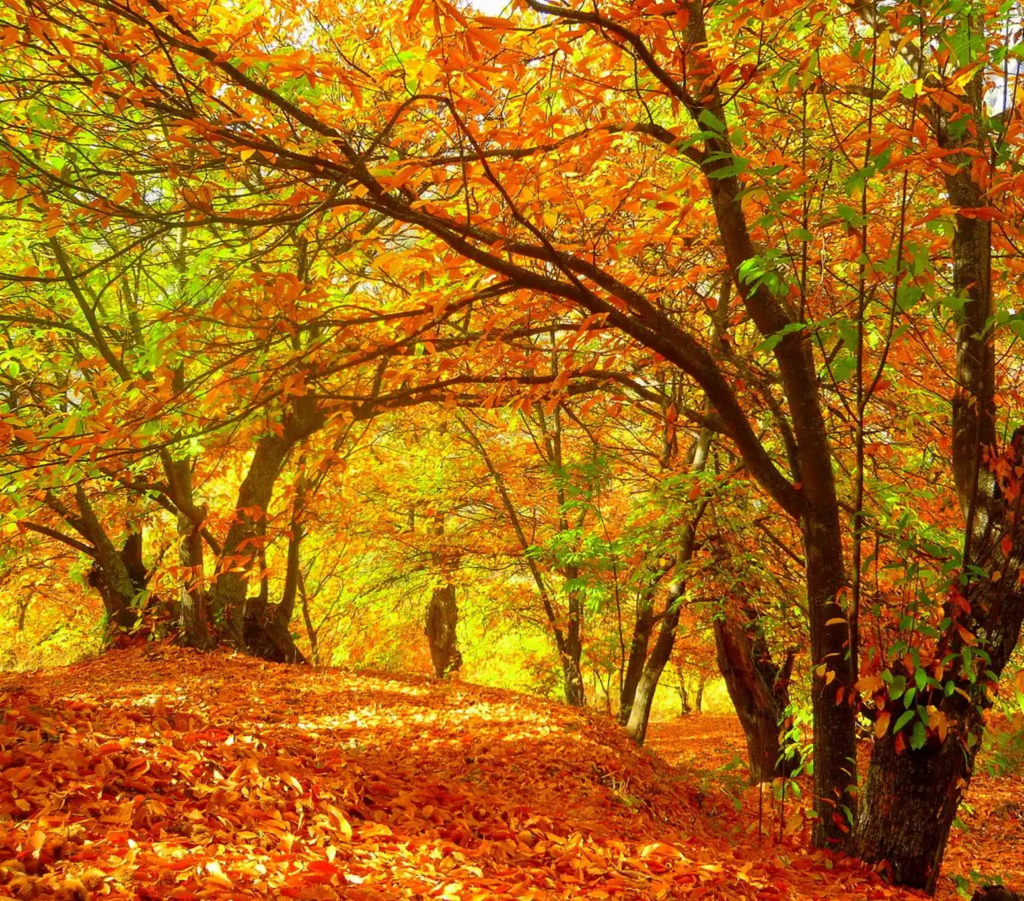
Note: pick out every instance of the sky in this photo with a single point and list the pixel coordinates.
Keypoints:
(489, 7)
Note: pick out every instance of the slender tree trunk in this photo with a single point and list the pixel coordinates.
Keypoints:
(268, 626)
(643, 699)
(699, 701)
(572, 680)
(193, 610)
(311, 632)
(571, 650)
(643, 627)
(832, 697)
(758, 689)
(568, 644)
(684, 697)
(442, 615)
(441, 621)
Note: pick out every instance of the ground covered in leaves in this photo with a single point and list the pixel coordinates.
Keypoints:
(161, 773)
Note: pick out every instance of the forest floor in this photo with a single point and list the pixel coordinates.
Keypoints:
(155, 772)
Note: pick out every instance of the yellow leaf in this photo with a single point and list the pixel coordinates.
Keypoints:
(937, 720)
(344, 826)
(217, 876)
(869, 684)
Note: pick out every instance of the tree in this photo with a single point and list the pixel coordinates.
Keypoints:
(839, 164)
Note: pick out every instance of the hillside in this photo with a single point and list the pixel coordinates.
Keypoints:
(155, 772)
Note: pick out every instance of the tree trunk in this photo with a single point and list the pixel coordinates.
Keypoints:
(111, 574)
(684, 698)
(832, 697)
(758, 689)
(642, 629)
(909, 803)
(311, 631)
(193, 609)
(442, 615)
(996, 893)
(440, 625)
(699, 702)
(643, 700)
(570, 650)
(911, 796)
(245, 536)
(268, 626)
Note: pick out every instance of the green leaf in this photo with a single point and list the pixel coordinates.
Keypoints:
(905, 718)
(919, 736)
(710, 121)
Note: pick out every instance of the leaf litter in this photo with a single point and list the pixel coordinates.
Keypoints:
(157, 772)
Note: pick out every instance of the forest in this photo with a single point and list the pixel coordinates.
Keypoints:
(530, 449)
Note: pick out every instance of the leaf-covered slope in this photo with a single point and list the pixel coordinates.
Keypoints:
(161, 773)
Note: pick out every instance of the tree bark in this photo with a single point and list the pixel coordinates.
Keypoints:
(245, 536)
(193, 609)
(684, 697)
(442, 614)
(643, 627)
(909, 803)
(111, 573)
(268, 626)
(643, 699)
(759, 690)
(996, 893)
(912, 795)
(440, 625)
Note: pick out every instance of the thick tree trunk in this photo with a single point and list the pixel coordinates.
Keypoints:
(267, 635)
(909, 803)
(440, 624)
(996, 893)
(759, 690)
(111, 574)
(245, 536)
(911, 796)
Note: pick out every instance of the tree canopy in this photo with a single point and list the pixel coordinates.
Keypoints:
(602, 332)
